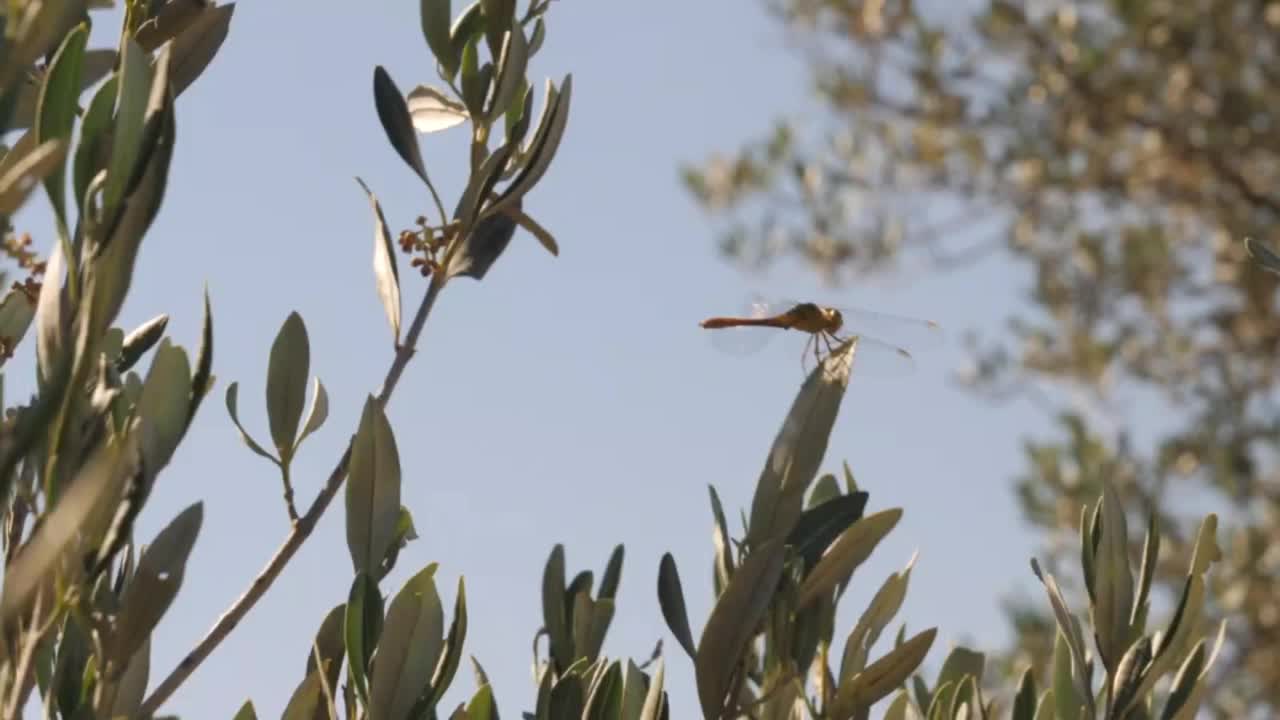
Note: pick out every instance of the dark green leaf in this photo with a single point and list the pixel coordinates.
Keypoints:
(483, 246)
(246, 712)
(362, 626)
(393, 112)
(612, 575)
(566, 698)
(555, 616)
(1024, 703)
(671, 600)
(853, 547)
(307, 699)
(882, 676)
(820, 525)
(453, 644)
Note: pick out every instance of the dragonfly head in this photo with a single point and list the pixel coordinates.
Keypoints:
(834, 319)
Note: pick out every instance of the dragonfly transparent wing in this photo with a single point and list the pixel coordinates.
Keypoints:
(880, 359)
(746, 340)
(910, 333)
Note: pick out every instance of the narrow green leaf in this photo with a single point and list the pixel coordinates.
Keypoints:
(961, 662)
(95, 129)
(452, 655)
(821, 524)
(733, 622)
(512, 65)
(131, 107)
(482, 706)
(634, 693)
(1114, 581)
(612, 575)
(197, 45)
(393, 112)
(604, 703)
(469, 24)
(654, 698)
(155, 583)
(51, 318)
(164, 405)
(318, 413)
(546, 141)
(385, 273)
(373, 489)
(307, 699)
(330, 644)
(567, 698)
(287, 372)
(879, 613)
(1068, 703)
(131, 690)
(232, 410)
(1150, 554)
(1024, 703)
(848, 552)
(883, 676)
(412, 640)
(435, 28)
(555, 616)
(17, 310)
(671, 600)
(798, 448)
(142, 339)
(362, 628)
(246, 712)
(59, 103)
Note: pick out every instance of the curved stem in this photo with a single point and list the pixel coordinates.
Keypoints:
(301, 529)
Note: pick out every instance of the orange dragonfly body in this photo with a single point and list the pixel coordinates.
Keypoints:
(878, 335)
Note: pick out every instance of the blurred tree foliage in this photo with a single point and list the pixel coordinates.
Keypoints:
(1120, 150)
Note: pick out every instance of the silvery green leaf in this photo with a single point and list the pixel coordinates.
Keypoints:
(287, 372)
(318, 413)
(362, 628)
(232, 392)
(433, 111)
(655, 697)
(329, 645)
(132, 687)
(95, 139)
(142, 339)
(879, 613)
(385, 273)
(202, 378)
(307, 699)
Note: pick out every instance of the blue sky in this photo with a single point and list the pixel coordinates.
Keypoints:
(563, 400)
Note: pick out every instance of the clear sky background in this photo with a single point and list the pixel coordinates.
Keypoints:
(564, 400)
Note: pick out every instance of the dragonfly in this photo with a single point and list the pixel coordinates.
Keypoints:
(884, 342)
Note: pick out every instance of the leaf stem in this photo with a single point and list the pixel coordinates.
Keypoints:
(301, 529)
(289, 504)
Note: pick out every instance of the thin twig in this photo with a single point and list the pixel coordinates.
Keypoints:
(300, 532)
